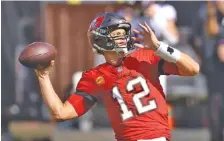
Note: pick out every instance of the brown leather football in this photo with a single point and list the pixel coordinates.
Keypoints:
(37, 55)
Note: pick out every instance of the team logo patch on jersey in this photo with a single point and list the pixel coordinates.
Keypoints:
(100, 80)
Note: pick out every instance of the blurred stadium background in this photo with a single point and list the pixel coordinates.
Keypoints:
(64, 24)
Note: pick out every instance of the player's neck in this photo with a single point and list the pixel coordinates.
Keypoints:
(113, 58)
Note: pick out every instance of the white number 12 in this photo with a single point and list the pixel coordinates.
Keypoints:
(126, 113)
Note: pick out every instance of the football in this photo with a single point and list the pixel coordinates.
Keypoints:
(37, 55)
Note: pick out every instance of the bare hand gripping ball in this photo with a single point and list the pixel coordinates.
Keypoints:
(37, 55)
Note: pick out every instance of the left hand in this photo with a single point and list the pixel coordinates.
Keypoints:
(148, 37)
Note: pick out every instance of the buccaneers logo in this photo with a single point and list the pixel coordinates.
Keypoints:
(97, 22)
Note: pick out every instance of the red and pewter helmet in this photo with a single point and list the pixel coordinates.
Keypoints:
(100, 29)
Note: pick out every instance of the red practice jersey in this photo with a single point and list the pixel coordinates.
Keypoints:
(132, 95)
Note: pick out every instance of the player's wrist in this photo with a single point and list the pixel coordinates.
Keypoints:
(42, 74)
(156, 46)
(168, 53)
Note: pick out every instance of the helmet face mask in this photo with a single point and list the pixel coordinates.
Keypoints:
(100, 33)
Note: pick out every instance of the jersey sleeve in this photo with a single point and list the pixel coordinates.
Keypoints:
(167, 68)
(86, 94)
(87, 84)
(163, 67)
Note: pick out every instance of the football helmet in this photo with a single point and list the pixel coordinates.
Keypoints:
(100, 29)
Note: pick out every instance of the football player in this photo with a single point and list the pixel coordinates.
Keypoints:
(127, 84)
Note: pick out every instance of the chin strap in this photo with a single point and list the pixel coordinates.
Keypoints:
(121, 49)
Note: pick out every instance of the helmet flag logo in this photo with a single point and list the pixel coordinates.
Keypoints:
(97, 22)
